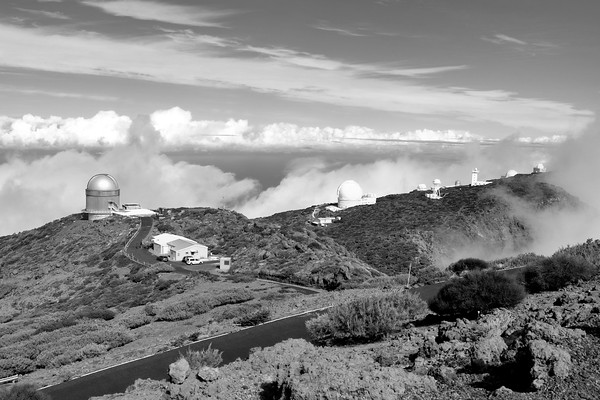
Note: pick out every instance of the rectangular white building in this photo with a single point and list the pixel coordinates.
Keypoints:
(180, 248)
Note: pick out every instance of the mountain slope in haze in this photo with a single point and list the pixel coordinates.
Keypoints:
(404, 230)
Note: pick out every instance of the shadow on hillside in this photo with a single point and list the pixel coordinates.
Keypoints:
(513, 375)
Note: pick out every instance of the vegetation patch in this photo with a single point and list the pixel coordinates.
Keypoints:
(367, 318)
(556, 272)
(477, 291)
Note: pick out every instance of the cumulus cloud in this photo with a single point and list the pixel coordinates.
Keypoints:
(175, 129)
(105, 129)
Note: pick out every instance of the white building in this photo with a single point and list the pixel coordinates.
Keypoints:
(180, 248)
(350, 194)
(510, 173)
(539, 169)
(160, 243)
(474, 179)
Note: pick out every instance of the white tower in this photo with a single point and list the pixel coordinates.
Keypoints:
(474, 177)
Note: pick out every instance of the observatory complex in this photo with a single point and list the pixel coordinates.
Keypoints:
(350, 194)
(103, 199)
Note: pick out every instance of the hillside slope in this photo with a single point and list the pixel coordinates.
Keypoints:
(403, 229)
(293, 254)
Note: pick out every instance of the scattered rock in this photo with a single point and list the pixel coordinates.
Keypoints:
(547, 361)
(208, 374)
(179, 371)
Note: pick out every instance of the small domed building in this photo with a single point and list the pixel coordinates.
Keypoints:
(350, 194)
(510, 173)
(102, 197)
(539, 169)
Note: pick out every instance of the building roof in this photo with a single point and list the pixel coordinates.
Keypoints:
(165, 238)
(102, 182)
(180, 244)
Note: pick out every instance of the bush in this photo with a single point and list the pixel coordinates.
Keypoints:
(136, 320)
(367, 318)
(233, 311)
(23, 392)
(557, 272)
(477, 291)
(468, 264)
(259, 316)
(54, 325)
(208, 357)
(96, 313)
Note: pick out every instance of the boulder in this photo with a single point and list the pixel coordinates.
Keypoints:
(487, 352)
(179, 371)
(547, 361)
(208, 374)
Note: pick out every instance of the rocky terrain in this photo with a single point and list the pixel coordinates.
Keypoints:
(546, 348)
(70, 278)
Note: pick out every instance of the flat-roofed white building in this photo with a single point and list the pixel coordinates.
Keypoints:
(180, 248)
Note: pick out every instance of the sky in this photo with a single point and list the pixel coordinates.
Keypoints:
(267, 105)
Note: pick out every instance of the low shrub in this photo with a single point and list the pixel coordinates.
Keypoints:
(233, 311)
(477, 291)
(151, 309)
(468, 264)
(57, 324)
(257, 317)
(208, 357)
(23, 392)
(557, 272)
(136, 320)
(367, 318)
(96, 313)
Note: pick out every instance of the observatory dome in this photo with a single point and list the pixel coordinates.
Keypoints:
(349, 194)
(437, 182)
(102, 182)
(349, 190)
(102, 197)
(510, 173)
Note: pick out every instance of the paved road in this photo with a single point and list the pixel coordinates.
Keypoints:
(235, 345)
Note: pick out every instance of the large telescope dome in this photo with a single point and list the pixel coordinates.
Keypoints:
(102, 182)
(102, 197)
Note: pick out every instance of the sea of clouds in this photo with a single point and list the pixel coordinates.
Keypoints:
(38, 187)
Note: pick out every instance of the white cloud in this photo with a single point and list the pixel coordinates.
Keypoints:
(291, 74)
(105, 129)
(175, 129)
(34, 192)
(149, 10)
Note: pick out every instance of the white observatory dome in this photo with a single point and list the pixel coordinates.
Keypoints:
(102, 182)
(349, 190)
(349, 194)
(510, 173)
(437, 182)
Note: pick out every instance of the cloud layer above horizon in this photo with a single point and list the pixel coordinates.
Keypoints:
(175, 129)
